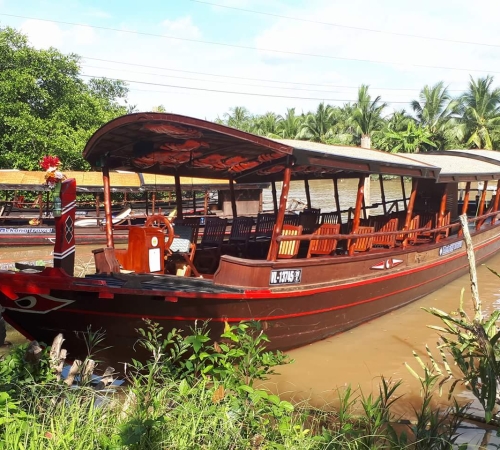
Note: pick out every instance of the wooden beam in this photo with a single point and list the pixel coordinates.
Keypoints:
(178, 196)
(357, 212)
(107, 207)
(308, 193)
(465, 205)
(403, 191)
(280, 218)
(409, 209)
(382, 192)
(233, 198)
(337, 198)
(495, 204)
(481, 205)
(275, 197)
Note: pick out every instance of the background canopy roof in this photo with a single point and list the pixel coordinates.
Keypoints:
(168, 144)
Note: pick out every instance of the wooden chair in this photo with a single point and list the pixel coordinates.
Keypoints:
(331, 217)
(241, 231)
(427, 220)
(292, 219)
(182, 251)
(445, 221)
(192, 222)
(324, 246)
(309, 221)
(362, 244)
(289, 249)
(312, 210)
(211, 243)
(412, 237)
(383, 224)
(264, 226)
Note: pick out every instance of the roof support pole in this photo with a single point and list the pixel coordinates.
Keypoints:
(465, 205)
(147, 203)
(403, 190)
(233, 198)
(481, 205)
(153, 202)
(382, 192)
(178, 196)
(107, 207)
(308, 193)
(194, 201)
(97, 208)
(205, 203)
(357, 212)
(275, 197)
(495, 204)
(280, 218)
(442, 211)
(337, 198)
(409, 208)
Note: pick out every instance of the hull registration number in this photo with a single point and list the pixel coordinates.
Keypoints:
(285, 276)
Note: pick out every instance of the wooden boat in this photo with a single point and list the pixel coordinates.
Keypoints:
(305, 277)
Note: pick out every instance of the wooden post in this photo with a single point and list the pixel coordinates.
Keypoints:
(357, 212)
(40, 206)
(233, 197)
(337, 198)
(481, 205)
(194, 201)
(442, 211)
(147, 203)
(153, 202)
(178, 196)
(403, 190)
(465, 205)
(382, 192)
(205, 204)
(107, 207)
(308, 193)
(409, 209)
(275, 197)
(495, 204)
(274, 247)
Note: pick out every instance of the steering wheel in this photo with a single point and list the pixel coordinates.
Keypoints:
(159, 220)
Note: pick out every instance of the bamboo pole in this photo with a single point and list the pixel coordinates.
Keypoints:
(472, 267)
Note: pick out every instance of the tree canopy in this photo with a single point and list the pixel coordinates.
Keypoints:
(46, 107)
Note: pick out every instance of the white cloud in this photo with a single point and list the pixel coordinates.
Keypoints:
(182, 27)
(43, 34)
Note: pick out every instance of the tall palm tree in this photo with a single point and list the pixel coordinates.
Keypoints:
(289, 127)
(437, 112)
(317, 126)
(367, 115)
(481, 113)
(267, 124)
(238, 117)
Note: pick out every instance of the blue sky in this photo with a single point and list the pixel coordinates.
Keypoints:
(268, 62)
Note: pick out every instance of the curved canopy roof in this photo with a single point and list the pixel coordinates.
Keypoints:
(168, 144)
(460, 166)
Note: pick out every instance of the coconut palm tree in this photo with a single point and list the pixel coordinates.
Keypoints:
(238, 117)
(290, 126)
(367, 115)
(267, 124)
(437, 112)
(317, 126)
(481, 113)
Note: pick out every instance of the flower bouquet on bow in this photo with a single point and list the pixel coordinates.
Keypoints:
(53, 179)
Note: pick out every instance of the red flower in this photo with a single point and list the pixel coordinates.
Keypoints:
(50, 161)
